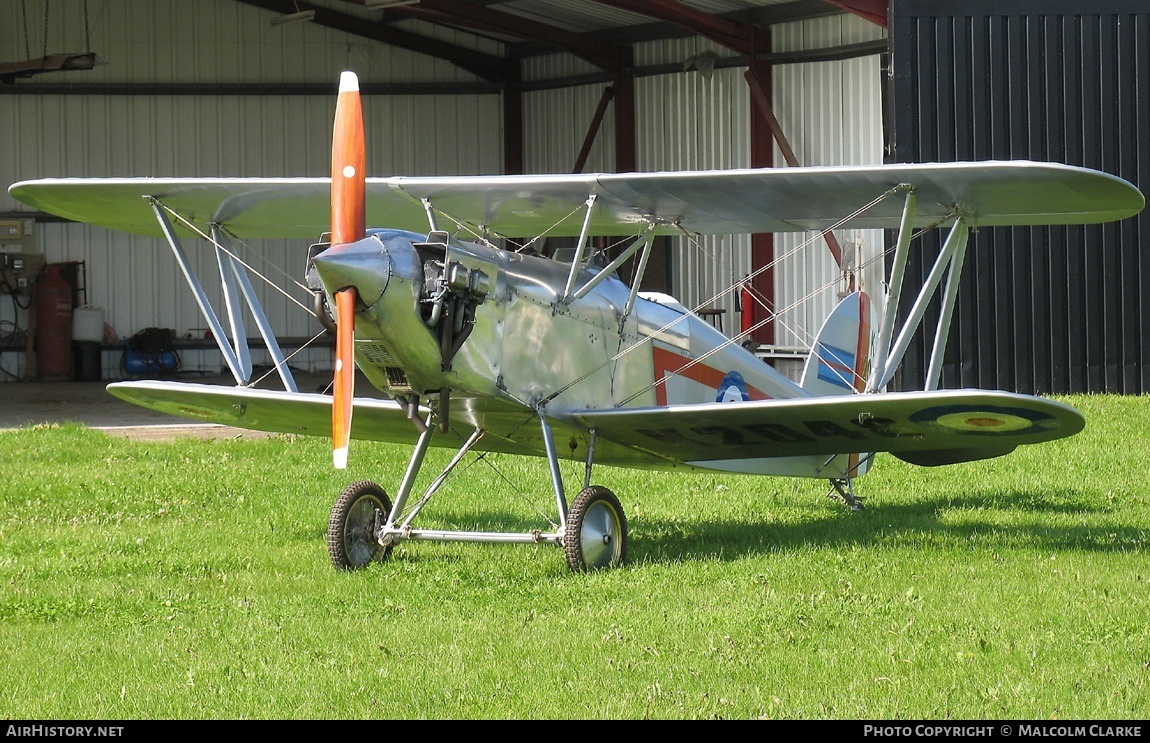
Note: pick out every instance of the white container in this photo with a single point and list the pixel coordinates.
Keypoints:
(88, 324)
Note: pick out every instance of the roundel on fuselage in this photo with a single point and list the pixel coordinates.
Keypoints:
(733, 388)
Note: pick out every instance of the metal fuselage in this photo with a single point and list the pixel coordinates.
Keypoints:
(495, 328)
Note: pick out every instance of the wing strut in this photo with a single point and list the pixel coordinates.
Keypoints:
(934, 372)
(234, 282)
(230, 273)
(890, 309)
(231, 304)
(580, 248)
(953, 253)
(430, 211)
(637, 280)
(640, 241)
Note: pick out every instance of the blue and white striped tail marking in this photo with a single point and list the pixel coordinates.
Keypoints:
(840, 358)
(836, 366)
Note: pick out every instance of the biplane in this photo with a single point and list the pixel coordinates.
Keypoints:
(482, 348)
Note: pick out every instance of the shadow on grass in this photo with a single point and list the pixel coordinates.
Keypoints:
(998, 520)
(989, 521)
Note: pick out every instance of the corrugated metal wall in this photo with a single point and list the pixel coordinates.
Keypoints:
(217, 41)
(1039, 310)
(693, 120)
(686, 120)
(832, 115)
(136, 280)
(556, 120)
(689, 120)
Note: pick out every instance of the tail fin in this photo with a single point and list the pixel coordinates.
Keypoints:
(839, 362)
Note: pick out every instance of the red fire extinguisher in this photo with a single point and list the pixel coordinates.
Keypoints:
(53, 325)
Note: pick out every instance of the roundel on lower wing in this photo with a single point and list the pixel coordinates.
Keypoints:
(984, 422)
(984, 419)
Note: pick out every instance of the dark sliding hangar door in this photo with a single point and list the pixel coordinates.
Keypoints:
(1040, 310)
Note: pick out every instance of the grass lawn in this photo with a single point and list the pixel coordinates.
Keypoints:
(191, 580)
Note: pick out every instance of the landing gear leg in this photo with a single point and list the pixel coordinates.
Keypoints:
(594, 533)
(844, 488)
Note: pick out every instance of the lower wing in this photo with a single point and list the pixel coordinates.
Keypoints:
(507, 429)
(925, 428)
(305, 414)
(274, 411)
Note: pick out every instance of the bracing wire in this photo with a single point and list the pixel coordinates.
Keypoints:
(180, 218)
(470, 229)
(766, 267)
(775, 314)
(275, 368)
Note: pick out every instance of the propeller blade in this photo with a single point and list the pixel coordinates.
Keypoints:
(348, 225)
(348, 165)
(343, 390)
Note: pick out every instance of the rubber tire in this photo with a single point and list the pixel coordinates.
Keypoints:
(596, 533)
(350, 540)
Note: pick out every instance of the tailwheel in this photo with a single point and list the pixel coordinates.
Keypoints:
(358, 513)
(596, 533)
(844, 488)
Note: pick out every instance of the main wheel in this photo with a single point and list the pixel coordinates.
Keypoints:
(358, 513)
(596, 533)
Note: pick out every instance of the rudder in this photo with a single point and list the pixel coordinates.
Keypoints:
(839, 364)
(840, 359)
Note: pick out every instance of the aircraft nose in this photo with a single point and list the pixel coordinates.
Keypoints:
(364, 265)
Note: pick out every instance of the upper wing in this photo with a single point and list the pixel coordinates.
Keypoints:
(704, 202)
(925, 428)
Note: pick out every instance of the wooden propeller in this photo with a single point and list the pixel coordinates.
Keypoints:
(348, 225)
